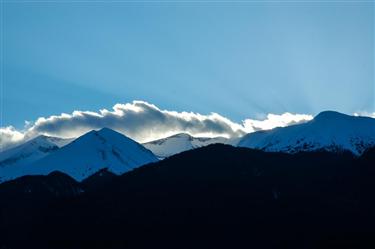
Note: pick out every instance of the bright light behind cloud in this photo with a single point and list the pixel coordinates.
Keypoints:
(365, 114)
(273, 121)
(10, 136)
(144, 122)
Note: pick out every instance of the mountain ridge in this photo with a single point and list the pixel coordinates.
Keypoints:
(166, 147)
(215, 196)
(87, 154)
(16, 158)
(329, 130)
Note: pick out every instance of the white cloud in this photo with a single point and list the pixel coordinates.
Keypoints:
(10, 136)
(274, 120)
(145, 122)
(365, 114)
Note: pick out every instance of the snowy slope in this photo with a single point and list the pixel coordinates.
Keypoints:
(88, 154)
(331, 131)
(31, 151)
(175, 144)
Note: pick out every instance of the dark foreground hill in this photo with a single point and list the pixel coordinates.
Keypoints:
(213, 197)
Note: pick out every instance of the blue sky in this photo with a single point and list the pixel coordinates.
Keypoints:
(238, 59)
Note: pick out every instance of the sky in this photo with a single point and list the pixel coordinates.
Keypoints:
(241, 60)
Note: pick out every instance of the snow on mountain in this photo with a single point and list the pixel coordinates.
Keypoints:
(60, 142)
(175, 144)
(330, 131)
(86, 155)
(31, 151)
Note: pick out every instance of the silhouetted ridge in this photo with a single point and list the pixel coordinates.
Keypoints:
(369, 154)
(55, 184)
(217, 196)
(98, 180)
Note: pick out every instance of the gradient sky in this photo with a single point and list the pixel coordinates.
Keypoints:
(238, 59)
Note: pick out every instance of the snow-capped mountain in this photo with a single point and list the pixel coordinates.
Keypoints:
(175, 144)
(31, 151)
(330, 131)
(86, 155)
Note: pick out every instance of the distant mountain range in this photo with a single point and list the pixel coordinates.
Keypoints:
(329, 131)
(32, 150)
(15, 161)
(178, 143)
(96, 150)
(81, 158)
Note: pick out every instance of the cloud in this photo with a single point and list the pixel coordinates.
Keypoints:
(9, 136)
(144, 122)
(139, 120)
(365, 114)
(273, 121)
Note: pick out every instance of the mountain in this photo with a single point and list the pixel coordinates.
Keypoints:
(217, 196)
(13, 161)
(53, 185)
(330, 131)
(98, 180)
(178, 143)
(93, 151)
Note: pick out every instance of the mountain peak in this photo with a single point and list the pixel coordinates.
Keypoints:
(182, 135)
(329, 130)
(32, 150)
(104, 132)
(93, 151)
(41, 137)
(180, 142)
(331, 115)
